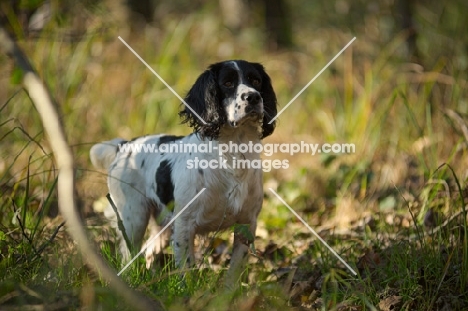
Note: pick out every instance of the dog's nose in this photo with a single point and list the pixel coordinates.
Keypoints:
(252, 98)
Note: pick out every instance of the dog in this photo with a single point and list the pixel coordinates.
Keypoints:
(231, 102)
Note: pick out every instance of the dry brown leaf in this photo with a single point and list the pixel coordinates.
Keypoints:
(390, 303)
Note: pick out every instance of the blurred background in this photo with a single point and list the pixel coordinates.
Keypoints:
(399, 93)
(389, 92)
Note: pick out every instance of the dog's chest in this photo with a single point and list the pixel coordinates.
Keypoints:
(230, 197)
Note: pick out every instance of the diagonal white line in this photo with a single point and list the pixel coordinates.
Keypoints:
(160, 232)
(313, 79)
(162, 80)
(313, 231)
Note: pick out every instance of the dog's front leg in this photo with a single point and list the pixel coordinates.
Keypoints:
(243, 237)
(184, 235)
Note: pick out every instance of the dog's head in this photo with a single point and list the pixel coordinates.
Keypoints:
(231, 93)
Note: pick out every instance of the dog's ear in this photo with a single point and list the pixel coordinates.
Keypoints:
(205, 114)
(269, 102)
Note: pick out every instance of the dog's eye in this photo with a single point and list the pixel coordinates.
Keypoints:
(255, 81)
(228, 84)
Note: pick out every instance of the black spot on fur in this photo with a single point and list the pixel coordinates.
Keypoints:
(168, 139)
(117, 148)
(165, 187)
(200, 171)
(135, 138)
(177, 244)
(124, 142)
(142, 163)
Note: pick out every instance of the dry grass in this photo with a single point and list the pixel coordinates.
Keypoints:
(383, 208)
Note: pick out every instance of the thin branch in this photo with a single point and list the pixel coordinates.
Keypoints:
(120, 224)
(52, 237)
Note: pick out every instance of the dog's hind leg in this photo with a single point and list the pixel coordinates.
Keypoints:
(125, 186)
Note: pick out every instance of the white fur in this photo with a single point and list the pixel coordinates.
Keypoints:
(232, 196)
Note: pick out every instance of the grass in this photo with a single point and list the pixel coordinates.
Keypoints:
(395, 210)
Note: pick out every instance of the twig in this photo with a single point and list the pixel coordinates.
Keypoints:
(120, 224)
(52, 237)
(445, 223)
(66, 183)
(419, 235)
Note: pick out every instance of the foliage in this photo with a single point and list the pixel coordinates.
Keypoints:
(395, 210)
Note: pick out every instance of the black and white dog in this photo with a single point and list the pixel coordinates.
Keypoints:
(236, 101)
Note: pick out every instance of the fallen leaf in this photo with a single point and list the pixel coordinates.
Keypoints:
(391, 303)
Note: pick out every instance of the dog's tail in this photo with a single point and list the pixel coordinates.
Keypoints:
(104, 153)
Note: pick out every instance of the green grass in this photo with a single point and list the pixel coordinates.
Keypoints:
(385, 209)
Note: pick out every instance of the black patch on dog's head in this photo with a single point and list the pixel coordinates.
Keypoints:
(269, 102)
(164, 184)
(204, 101)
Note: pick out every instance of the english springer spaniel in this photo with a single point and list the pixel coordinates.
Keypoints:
(232, 102)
